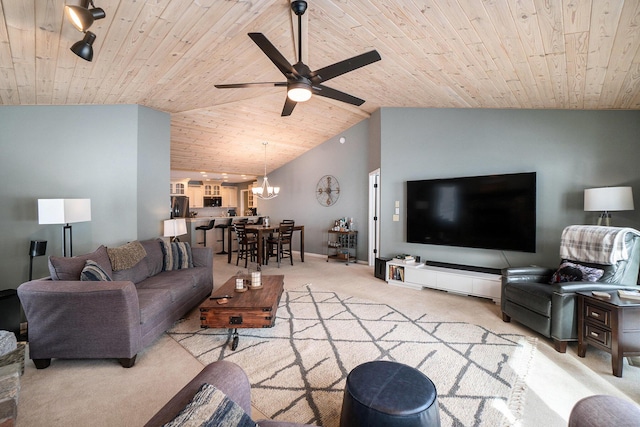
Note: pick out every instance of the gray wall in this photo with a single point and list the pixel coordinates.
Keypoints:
(118, 156)
(298, 179)
(569, 150)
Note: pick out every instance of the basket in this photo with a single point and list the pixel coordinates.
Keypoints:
(16, 356)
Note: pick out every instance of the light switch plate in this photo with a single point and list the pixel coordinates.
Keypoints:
(396, 217)
(397, 203)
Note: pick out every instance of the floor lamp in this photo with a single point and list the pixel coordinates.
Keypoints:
(608, 199)
(37, 248)
(64, 211)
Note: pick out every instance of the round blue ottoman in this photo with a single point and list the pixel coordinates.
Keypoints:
(384, 393)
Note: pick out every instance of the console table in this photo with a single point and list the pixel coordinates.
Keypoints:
(610, 324)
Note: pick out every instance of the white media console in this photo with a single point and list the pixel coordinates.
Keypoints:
(460, 281)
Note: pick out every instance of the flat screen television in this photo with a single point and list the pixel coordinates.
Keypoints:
(490, 212)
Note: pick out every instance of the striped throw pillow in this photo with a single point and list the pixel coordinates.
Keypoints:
(211, 407)
(177, 255)
(92, 272)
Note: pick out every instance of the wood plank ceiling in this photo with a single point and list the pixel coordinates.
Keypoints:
(168, 54)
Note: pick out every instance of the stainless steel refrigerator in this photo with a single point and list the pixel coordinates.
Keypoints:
(179, 206)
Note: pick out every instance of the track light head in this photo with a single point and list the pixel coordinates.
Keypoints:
(82, 17)
(84, 48)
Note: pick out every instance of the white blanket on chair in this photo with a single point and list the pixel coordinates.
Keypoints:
(595, 244)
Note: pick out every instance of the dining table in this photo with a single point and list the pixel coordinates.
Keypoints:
(262, 232)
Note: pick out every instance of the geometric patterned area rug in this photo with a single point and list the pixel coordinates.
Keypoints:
(298, 368)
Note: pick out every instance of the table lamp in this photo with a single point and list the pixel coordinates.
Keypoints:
(608, 199)
(174, 228)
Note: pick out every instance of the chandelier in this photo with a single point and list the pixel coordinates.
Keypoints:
(265, 191)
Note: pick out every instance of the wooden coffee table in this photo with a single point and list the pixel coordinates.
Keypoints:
(254, 308)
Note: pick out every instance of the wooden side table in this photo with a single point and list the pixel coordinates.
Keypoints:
(610, 324)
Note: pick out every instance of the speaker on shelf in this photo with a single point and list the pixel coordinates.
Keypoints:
(36, 248)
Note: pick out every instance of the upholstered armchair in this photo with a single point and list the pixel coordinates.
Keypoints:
(593, 258)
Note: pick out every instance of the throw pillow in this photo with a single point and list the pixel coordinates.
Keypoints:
(177, 255)
(211, 407)
(126, 256)
(65, 268)
(93, 272)
(572, 272)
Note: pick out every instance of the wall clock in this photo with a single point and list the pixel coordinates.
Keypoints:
(328, 190)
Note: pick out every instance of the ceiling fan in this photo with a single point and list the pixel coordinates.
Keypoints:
(301, 81)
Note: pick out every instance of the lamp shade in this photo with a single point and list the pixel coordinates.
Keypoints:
(81, 17)
(84, 47)
(175, 227)
(608, 199)
(63, 211)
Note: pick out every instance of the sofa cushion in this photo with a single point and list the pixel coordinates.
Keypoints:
(177, 255)
(92, 272)
(575, 272)
(179, 283)
(64, 268)
(153, 303)
(126, 256)
(135, 274)
(210, 406)
(155, 257)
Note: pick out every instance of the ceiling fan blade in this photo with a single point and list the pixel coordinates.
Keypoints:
(272, 53)
(342, 67)
(288, 107)
(328, 92)
(242, 85)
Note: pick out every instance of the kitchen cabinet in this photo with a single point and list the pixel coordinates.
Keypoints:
(196, 196)
(229, 196)
(178, 188)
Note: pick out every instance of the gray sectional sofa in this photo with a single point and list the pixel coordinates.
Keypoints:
(116, 317)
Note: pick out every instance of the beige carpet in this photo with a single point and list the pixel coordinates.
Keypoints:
(299, 367)
(101, 393)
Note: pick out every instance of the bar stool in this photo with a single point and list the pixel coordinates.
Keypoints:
(206, 228)
(226, 223)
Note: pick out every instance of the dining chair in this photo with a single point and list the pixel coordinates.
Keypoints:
(281, 242)
(247, 245)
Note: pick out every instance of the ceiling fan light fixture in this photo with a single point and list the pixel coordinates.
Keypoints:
(299, 92)
(81, 17)
(84, 48)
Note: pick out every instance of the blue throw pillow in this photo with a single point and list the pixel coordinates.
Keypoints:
(92, 272)
(211, 407)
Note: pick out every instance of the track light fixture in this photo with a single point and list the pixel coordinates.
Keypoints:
(82, 17)
(84, 48)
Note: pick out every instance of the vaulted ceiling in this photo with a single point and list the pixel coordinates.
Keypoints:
(168, 54)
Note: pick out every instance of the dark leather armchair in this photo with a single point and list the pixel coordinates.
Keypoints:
(550, 308)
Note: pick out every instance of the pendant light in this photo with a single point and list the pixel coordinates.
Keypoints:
(265, 191)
